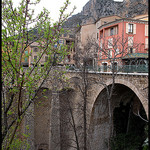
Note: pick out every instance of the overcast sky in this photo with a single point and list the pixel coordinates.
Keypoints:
(54, 5)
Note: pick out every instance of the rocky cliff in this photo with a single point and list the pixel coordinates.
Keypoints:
(95, 9)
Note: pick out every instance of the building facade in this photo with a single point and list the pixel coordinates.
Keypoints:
(123, 42)
(34, 51)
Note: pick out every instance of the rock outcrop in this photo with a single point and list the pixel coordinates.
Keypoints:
(95, 9)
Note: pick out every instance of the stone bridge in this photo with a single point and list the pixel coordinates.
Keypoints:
(60, 116)
(137, 82)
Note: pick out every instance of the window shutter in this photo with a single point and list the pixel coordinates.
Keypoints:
(110, 43)
(134, 29)
(101, 44)
(126, 27)
(108, 32)
(111, 53)
(114, 32)
(146, 43)
(146, 30)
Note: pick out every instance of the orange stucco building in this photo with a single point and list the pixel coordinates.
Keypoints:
(34, 52)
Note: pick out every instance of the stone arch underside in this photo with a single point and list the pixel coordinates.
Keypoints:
(99, 112)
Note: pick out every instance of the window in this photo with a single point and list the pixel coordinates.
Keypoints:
(104, 67)
(130, 41)
(35, 49)
(35, 57)
(130, 50)
(110, 43)
(130, 28)
(114, 67)
(117, 51)
(111, 31)
(109, 53)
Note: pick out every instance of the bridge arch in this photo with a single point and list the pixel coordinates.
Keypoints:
(128, 84)
(100, 128)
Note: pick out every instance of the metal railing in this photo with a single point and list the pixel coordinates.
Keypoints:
(125, 68)
(134, 68)
(121, 68)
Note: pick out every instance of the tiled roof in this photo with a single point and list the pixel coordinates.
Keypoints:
(121, 20)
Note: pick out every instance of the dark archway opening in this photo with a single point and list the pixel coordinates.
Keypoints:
(128, 121)
(126, 129)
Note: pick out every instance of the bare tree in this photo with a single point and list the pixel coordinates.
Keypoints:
(68, 131)
(84, 57)
(113, 51)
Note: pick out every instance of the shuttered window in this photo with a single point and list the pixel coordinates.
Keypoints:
(114, 30)
(146, 30)
(110, 43)
(131, 28)
(110, 54)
